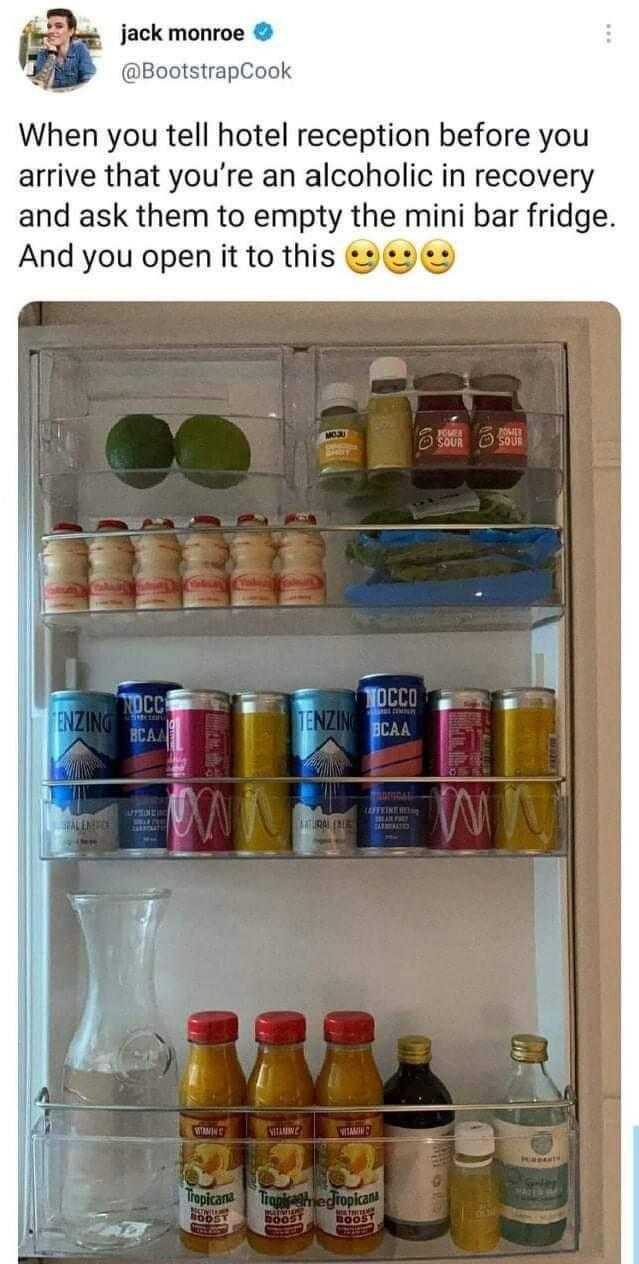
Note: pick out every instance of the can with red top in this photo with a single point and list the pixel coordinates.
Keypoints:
(499, 450)
(204, 557)
(302, 581)
(459, 722)
(198, 734)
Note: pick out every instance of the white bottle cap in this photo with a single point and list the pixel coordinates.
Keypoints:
(474, 1139)
(339, 395)
(388, 368)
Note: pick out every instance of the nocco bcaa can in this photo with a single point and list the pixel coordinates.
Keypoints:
(524, 743)
(324, 745)
(391, 715)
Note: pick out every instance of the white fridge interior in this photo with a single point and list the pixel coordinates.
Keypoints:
(469, 949)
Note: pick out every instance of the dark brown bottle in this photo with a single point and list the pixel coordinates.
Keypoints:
(441, 432)
(499, 448)
(418, 1146)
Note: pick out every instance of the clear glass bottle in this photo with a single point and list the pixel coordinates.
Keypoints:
(474, 1189)
(341, 441)
(118, 1191)
(418, 1156)
(279, 1175)
(533, 1151)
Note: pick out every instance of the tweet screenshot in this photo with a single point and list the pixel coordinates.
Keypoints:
(315, 321)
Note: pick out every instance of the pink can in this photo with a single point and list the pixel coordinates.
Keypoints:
(198, 736)
(459, 731)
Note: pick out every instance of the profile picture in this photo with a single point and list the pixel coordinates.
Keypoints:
(60, 50)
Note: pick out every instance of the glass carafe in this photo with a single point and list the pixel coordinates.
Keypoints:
(119, 1175)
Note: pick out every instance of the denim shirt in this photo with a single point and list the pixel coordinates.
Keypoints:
(77, 66)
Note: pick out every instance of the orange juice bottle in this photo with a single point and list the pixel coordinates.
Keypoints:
(279, 1176)
(211, 1196)
(349, 1181)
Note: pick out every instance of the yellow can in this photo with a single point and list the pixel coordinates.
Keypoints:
(524, 744)
(261, 811)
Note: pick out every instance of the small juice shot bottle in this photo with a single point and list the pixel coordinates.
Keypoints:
(211, 1194)
(279, 1171)
(349, 1178)
(474, 1189)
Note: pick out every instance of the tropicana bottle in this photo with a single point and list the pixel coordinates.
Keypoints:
(350, 1168)
(279, 1170)
(211, 1184)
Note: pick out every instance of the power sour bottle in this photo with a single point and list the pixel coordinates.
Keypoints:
(533, 1151)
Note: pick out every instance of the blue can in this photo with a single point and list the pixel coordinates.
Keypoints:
(142, 753)
(82, 748)
(391, 712)
(324, 744)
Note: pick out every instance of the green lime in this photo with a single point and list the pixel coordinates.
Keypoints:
(212, 443)
(140, 442)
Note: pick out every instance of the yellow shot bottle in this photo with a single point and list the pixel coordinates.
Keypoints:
(474, 1190)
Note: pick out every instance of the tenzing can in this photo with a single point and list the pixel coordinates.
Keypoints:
(324, 744)
(524, 743)
(391, 716)
(198, 739)
(261, 811)
(459, 722)
(142, 753)
(83, 747)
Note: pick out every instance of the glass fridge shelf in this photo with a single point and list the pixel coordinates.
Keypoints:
(205, 818)
(327, 620)
(105, 1180)
(91, 494)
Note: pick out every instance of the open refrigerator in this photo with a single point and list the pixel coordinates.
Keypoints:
(469, 948)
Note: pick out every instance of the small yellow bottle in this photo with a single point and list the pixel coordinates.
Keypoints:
(474, 1189)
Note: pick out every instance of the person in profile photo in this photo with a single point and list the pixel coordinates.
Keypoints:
(64, 61)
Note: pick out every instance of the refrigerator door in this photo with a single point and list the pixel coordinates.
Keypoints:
(469, 948)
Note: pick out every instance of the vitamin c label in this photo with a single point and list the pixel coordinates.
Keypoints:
(211, 1191)
(279, 1179)
(350, 1178)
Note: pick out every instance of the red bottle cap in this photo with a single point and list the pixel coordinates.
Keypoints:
(280, 1027)
(157, 522)
(212, 1027)
(258, 519)
(349, 1027)
(67, 526)
(205, 520)
(112, 524)
(300, 517)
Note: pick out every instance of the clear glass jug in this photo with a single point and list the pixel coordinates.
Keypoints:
(119, 1175)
